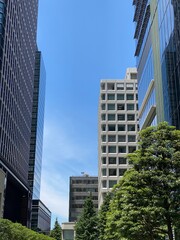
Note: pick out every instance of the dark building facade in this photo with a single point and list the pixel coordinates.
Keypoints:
(37, 125)
(41, 217)
(79, 189)
(18, 24)
(158, 60)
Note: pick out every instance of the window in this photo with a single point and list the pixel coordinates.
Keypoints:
(121, 117)
(103, 86)
(131, 149)
(103, 160)
(110, 86)
(131, 138)
(130, 106)
(111, 149)
(137, 107)
(103, 138)
(103, 106)
(122, 160)
(111, 117)
(104, 184)
(103, 96)
(136, 86)
(104, 173)
(133, 75)
(121, 138)
(103, 149)
(112, 160)
(131, 127)
(113, 172)
(112, 127)
(122, 171)
(111, 97)
(131, 117)
(121, 127)
(130, 96)
(112, 138)
(136, 96)
(103, 127)
(129, 86)
(111, 106)
(120, 96)
(103, 117)
(120, 106)
(120, 86)
(112, 183)
(122, 149)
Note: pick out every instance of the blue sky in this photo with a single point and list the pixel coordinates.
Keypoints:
(82, 41)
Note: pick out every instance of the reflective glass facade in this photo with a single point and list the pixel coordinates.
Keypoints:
(37, 126)
(18, 25)
(145, 65)
(157, 25)
(169, 37)
(17, 58)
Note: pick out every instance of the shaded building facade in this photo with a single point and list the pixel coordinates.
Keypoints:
(157, 25)
(80, 188)
(41, 217)
(117, 129)
(18, 25)
(37, 126)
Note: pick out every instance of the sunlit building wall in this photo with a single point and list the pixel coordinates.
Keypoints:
(118, 127)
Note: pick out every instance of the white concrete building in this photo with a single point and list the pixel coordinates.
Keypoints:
(118, 127)
(68, 232)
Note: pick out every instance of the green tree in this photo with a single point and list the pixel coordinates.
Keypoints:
(86, 226)
(102, 216)
(15, 231)
(56, 232)
(146, 201)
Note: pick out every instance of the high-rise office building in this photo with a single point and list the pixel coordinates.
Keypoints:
(79, 189)
(118, 127)
(37, 126)
(17, 58)
(158, 60)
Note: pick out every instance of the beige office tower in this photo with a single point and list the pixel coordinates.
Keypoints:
(118, 127)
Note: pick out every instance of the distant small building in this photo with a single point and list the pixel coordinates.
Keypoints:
(68, 232)
(80, 188)
(41, 217)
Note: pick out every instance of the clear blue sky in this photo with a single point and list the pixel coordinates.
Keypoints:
(82, 41)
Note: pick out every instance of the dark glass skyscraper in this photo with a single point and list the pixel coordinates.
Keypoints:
(37, 126)
(158, 60)
(18, 24)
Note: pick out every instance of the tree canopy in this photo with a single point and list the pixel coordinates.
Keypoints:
(15, 231)
(86, 226)
(56, 232)
(102, 216)
(146, 201)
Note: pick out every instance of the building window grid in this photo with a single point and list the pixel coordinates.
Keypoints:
(130, 107)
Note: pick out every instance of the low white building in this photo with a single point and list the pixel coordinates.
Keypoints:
(68, 232)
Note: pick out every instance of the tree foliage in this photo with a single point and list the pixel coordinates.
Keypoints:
(86, 226)
(56, 232)
(146, 201)
(102, 216)
(15, 231)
